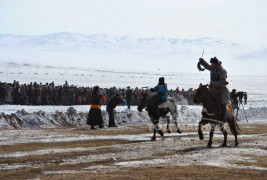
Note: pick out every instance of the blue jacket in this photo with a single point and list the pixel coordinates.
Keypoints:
(161, 89)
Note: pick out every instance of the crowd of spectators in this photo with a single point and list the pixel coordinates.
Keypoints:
(51, 94)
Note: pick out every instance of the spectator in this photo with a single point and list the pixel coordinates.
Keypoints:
(112, 103)
(95, 117)
(129, 95)
(3, 94)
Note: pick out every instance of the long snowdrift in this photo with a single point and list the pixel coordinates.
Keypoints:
(60, 117)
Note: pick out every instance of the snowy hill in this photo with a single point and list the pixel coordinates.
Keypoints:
(115, 44)
(124, 51)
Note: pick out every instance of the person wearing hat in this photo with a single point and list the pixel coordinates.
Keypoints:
(162, 94)
(95, 116)
(218, 83)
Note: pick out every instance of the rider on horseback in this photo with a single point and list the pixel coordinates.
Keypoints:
(161, 94)
(218, 83)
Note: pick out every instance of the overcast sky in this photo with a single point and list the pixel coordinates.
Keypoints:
(242, 21)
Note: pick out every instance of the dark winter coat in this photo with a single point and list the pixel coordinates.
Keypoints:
(129, 94)
(3, 92)
(113, 102)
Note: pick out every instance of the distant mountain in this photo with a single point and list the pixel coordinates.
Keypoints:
(101, 43)
(121, 51)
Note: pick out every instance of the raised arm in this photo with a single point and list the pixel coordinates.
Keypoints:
(205, 64)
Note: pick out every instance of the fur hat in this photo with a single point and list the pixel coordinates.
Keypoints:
(215, 61)
(161, 80)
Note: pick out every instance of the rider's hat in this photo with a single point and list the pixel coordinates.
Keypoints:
(161, 80)
(214, 61)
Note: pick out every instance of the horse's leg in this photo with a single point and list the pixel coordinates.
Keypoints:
(232, 122)
(168, 125)
(173, 109)
(234, 129)
(154, 133)
(224, 144)
(177, 128)
(212, 128)
(236, 141)
(159, 131)
(200, 133)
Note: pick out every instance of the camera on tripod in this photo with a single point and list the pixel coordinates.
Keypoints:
(242, 95)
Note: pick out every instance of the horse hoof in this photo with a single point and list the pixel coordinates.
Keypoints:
(236, 144)
(153, 139)
(209, 145)
(200, 134)
(168, 131)
(224, 145)
(161, 133)
(179, 131)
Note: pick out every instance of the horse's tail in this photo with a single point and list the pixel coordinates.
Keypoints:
(232, 120)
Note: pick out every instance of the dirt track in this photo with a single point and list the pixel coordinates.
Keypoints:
(128, 153)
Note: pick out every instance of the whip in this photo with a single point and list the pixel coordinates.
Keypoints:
(199, 65)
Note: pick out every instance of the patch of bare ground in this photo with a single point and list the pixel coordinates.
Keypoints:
(175, 172)
(131, 130)
(253, 128)
(4, 149)
(253, 160)
(58, 157)
(185, 147)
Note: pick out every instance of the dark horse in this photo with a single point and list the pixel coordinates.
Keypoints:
(211, 114)
(147, 101)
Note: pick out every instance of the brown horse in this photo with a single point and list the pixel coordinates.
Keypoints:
(211, 114)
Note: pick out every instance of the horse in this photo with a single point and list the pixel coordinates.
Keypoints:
(147, 100)
(211, 115)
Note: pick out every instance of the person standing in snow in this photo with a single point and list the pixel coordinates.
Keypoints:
(129, 95)
(95, 116)
(112, 103)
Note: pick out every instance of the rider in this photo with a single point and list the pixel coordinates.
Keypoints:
(218, 83)
(161, 94)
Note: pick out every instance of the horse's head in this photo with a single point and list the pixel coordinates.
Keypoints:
(201, 93)
(146, 96)
(143, 101)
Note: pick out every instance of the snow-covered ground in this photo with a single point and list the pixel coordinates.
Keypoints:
(75, 116)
